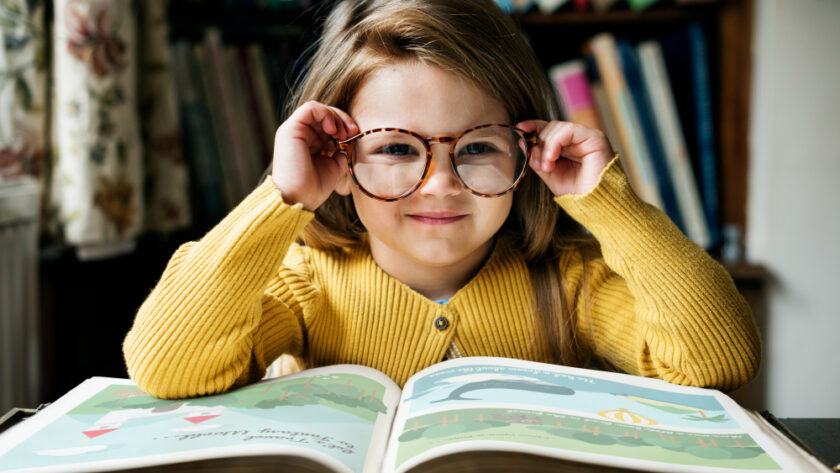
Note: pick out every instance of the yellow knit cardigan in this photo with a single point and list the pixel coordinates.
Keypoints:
(229, 304)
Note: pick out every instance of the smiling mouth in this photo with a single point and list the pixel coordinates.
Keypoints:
(430, 219)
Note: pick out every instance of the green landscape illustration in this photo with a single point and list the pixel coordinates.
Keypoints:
(620, 433)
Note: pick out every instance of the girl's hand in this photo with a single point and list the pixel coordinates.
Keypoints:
(303, 168)
(569, 157)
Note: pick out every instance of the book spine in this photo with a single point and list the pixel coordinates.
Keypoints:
(253, 107)
(639, 5)
(233, 191)
(602, 5)
(639, 91)
(599, 96)
(673, 141)
(204, 163)
(216, 61)
(265, 99)
(637, 162)
(581, 5)
(250, 159)
(572, 87)
(705, 129)
(548, 7)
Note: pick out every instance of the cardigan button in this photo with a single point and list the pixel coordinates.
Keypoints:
(441, 323)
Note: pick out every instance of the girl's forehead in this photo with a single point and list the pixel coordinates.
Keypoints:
(423, 98)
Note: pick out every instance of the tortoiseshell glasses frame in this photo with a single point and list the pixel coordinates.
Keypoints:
(345, 147)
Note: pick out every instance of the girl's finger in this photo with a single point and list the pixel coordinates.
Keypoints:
(314, 113)
(532, 125)
(563, 136)
(347, 121)
(328, 125)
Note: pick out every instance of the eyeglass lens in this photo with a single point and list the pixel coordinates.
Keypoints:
(488, 160)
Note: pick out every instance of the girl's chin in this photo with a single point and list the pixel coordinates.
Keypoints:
(443, 252)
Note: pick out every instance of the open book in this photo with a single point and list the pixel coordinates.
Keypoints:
(467, 414)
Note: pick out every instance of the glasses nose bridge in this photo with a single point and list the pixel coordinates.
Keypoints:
(442, 140)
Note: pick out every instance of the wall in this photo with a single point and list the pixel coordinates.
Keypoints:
(794, 200)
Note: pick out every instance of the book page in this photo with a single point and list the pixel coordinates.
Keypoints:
(338, 416)
(497, 404)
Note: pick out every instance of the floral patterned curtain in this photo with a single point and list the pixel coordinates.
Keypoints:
(166, 171)
(98, 170)
(23, 90)
(116, 165)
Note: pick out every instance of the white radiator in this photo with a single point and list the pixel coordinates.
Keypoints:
(19, 317)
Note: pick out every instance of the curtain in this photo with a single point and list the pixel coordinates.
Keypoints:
(23, 88)
(115, 166)
(167, 200)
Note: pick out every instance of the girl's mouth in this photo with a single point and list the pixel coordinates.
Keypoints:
(436, 218)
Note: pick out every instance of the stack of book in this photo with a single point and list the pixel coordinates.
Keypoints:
(550, 6)
(653, 101)
(229, 113)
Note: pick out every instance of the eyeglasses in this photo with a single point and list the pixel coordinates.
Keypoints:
(389, 164)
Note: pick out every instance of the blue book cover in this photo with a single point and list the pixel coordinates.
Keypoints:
(635, 82)
(686, 59)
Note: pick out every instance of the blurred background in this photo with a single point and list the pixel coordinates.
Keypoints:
(128, 127)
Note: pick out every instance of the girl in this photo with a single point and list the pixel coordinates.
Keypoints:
(408, 220)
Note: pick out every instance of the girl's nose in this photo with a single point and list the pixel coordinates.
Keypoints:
(441, 180)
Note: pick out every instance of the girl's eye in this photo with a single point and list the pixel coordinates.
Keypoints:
(397, 149)
(477, 148)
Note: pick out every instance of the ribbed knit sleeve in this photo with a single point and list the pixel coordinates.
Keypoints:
(220, 311)
(656, 304)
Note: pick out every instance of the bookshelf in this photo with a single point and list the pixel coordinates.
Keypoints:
(559, 36)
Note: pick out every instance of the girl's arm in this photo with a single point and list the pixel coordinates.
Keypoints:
(656, 304)
(221, 310)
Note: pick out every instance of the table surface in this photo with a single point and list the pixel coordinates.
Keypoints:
(822, 436)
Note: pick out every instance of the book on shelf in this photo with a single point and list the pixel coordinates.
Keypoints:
(221, 76)
(649, 132)
(252, 107)
(639, 5)
(475, 414)
(232, 188)
(601, 6)
(265, 104)
(572, 87)
(665, 115)
(636, 159)
(602, 104)
(687, 62)
(202, 150)
(244, 119)
(548, 7)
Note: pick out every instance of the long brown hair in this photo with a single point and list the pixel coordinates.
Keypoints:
(475, 40)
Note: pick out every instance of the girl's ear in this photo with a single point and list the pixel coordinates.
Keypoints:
(344, 184)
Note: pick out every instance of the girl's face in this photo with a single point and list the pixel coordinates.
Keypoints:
(442, 224)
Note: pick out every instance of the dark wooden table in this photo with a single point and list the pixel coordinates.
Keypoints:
(822, 436)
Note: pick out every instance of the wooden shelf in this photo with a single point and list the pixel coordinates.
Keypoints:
(747, 272)
(259, 24)
(609, 18)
